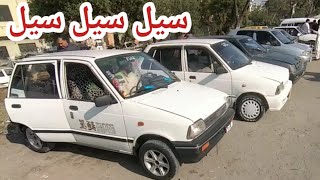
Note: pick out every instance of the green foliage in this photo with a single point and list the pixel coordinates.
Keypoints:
(208, 16)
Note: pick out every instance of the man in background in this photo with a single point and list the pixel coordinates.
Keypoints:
(65, 45)
(306, 26)
(314, 26)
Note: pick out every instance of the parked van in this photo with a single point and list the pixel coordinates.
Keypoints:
(122, 101)
(295, 21)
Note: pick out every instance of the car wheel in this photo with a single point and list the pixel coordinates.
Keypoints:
(35, 143)
(158, 160)
(251, 108)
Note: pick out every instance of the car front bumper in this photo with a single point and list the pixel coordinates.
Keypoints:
(295, 76)
(278, 101)
(193, 151)
(307, 58)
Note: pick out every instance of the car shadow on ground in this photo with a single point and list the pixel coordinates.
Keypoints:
(312, 76)
(128, 162)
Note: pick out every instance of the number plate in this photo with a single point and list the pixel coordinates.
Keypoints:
(228, 128)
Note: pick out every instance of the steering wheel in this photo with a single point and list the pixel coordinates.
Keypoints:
(136, 88)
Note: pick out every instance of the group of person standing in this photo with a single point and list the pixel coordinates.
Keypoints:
(313, 28)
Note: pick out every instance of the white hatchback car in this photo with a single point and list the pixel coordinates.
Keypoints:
(5, 74)
(255, 86)
(117, 100)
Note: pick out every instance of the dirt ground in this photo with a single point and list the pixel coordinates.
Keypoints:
(3, 113)
(284, 145)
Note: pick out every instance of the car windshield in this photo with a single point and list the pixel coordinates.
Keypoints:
(291, 38)
(252, 46)
(281, 37)
(8, 71)
(233, 56)
(135, 74)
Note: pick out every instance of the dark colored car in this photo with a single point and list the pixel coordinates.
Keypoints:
(257, 52)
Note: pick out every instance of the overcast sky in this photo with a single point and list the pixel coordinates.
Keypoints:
(258, 1)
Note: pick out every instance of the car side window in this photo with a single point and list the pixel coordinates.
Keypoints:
(246, 33)
(294, 32)
(200, 60)
(265, 38)
(1, 74)
(170, 58)
(151, 52)
(83, 85)
(37, 81)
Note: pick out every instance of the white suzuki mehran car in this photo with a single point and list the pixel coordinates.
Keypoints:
(122, 101)
(255, 86)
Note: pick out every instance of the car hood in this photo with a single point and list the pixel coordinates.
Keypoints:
(185, 99)
(268, 71)
(276, 56)
(301, 46)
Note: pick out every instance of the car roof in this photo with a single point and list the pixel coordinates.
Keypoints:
(226, 37)
(296, 20)
(189, 41)
(267, 29)
(6, 68)
(81, 54)
(280, 27)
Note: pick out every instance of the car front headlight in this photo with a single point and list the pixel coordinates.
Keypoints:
(305, 53)
(196, 129)
(279, 88)
(292, 68)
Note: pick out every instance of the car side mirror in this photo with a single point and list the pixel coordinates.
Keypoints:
(221, 70)
(299, 34)
(104, 100)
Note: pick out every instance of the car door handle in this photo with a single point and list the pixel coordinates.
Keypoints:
(17, 106)
(74, 108)
(192, 77)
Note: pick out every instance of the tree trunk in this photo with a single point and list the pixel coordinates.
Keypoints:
(236, 14)
(239, 18)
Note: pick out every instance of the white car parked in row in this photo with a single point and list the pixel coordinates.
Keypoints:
(302, 36)
(255, 86)
(5, 74)
(107, 100)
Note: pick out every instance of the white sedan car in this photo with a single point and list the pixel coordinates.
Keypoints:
(5, 74)
(255, 86)
(104, 99)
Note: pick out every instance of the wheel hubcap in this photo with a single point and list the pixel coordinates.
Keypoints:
(250, 109)
(156, 163)
(33, 139)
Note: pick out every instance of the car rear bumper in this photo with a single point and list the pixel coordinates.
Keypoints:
(193, 151)
(278, 101)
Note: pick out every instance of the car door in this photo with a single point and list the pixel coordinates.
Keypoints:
(203, 66)
(35, 101)
(100, 127)
(171, 58)
(267, 40)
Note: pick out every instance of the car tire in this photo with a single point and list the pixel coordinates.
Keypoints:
(251, 108)
(33, 142)
(158, 160)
